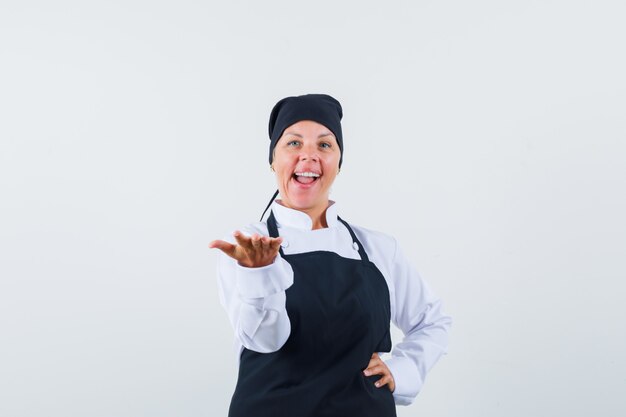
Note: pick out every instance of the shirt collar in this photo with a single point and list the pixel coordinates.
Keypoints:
(289, 217)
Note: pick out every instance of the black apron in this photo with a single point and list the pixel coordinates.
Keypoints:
(340, 314)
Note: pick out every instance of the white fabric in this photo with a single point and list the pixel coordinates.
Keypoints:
(254, 298)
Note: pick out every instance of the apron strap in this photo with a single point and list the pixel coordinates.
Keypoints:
(355, 240)
(273, 230)
(268, 205)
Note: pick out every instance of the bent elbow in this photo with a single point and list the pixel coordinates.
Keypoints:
(271, 334)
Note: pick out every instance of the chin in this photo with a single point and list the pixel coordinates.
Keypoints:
(302, 204)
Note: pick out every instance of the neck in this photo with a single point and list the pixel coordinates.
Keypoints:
(317, 214)
(318, 219)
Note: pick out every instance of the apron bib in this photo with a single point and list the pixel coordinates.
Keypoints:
(340, 314)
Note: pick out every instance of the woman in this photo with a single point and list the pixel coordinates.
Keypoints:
(311, 297)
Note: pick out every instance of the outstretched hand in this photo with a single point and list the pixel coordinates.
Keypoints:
(376, 366)
(250, 251)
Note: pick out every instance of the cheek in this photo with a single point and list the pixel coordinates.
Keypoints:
(332, 165)
(282, 165)
(284, 174)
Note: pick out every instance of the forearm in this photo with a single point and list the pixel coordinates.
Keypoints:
(421, 347)
(418, 313)
(254, 299)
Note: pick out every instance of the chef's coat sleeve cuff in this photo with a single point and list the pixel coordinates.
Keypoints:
(406, 378)
(263, 281)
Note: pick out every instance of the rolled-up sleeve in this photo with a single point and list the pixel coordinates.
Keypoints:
(254, 299)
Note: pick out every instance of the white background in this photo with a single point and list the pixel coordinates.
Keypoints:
(488, 137)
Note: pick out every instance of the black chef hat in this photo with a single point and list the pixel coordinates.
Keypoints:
(320, 108)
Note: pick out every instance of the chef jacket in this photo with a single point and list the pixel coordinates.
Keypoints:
(254, 298)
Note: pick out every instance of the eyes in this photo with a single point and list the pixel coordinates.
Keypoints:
(297, 143)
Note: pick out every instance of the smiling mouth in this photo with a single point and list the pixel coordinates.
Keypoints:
(306, 177)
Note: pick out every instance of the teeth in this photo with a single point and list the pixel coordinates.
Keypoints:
(307, 174)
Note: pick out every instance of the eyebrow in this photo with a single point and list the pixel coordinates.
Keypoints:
(300, 136)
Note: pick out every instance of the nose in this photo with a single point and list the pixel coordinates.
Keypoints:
(313, 158)
(309, 153)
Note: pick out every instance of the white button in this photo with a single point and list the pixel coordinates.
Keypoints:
(355, 246)
(285, 244)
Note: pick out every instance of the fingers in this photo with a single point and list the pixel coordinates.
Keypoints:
(227, 248)
(242, 240)
(250, 251)
(275, 243)
(376, 370)
(386, 379)
(377, 366)
(374, 361)
(270, 244)
(255, 239)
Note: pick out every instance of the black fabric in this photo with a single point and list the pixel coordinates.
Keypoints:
(320, 108)
(268, 205)
(340, 314)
